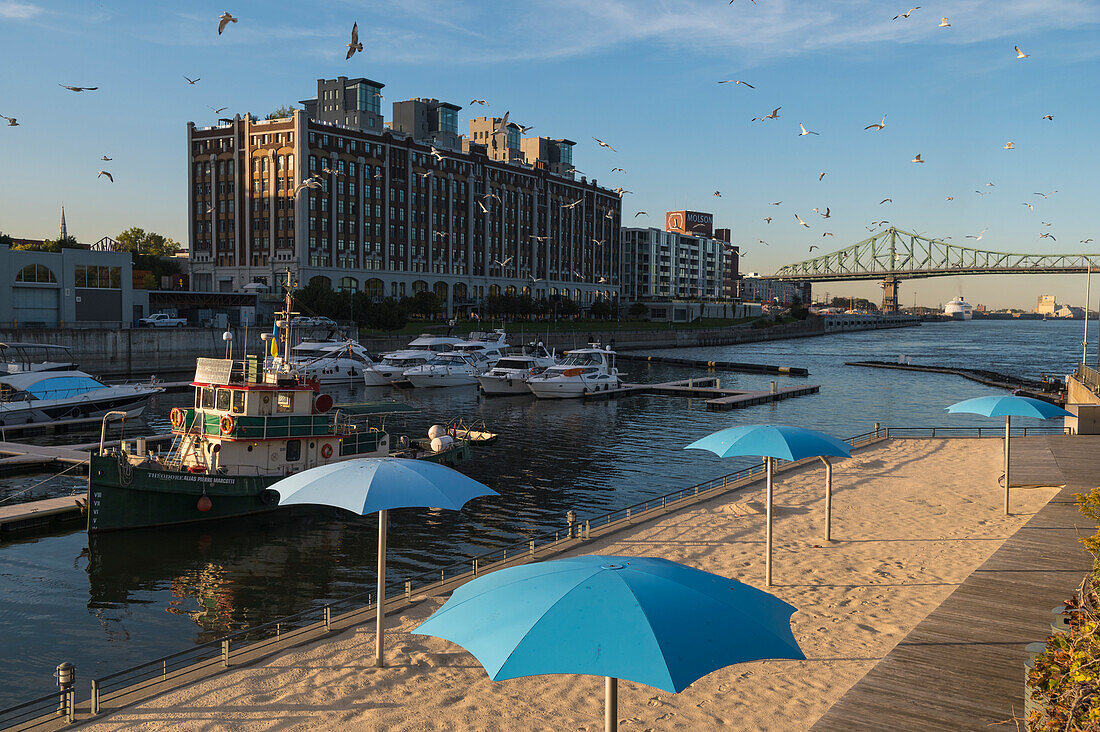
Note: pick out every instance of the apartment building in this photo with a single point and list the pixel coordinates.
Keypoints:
(391, 218)
(686, 260)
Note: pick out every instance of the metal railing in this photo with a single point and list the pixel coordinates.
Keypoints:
(1088, 376)
(52, 709)
(252, 643)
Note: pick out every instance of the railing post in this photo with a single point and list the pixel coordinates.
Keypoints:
(474, 569)
(225, 653)
(587, 529)
(279, 626)
(408, 590)
(95, 697)
(70, 706)
(627, 514)
(328, 617)
(887, 432)
(532, 547)
(876, 430)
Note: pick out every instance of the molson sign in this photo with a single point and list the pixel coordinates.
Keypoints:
(690, 222)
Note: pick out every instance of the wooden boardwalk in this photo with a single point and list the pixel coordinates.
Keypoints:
(37, 516)
(709, 388)
(962, 667)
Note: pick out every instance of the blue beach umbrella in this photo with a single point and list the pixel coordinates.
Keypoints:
(777, 441)
(370, 485)
(1008, 406)
(643, 619)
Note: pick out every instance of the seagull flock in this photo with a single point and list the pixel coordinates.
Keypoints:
(356, 46)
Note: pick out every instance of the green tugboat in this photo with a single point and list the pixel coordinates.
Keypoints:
(253, 422)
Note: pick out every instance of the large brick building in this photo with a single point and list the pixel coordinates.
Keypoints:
(393, 218)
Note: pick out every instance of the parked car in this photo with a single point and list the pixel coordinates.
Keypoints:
(320, 321)
(162, 320)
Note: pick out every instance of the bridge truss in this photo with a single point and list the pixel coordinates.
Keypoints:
(893, 255)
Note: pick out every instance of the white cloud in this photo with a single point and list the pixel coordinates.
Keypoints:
(14, 10)
(475, 32)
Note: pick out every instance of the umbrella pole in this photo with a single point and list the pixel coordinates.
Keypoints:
(611, 705)
(828, 498)
(1008, 428)
(380, 602)
(768, 550)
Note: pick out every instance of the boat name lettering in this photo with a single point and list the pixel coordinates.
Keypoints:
(192, 478)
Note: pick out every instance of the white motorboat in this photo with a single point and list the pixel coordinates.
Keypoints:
(448, 369)
(47, 396)
(584, 371)
(420, 350)
(491, 345)
(334, 362)
(510, 374)
(16, 358)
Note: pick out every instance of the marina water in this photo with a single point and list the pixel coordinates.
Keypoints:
(135, 595)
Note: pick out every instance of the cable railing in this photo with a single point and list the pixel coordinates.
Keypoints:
(1088, 376)
(250, 644)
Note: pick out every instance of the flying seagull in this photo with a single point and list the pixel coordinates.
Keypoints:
(1010, 146)
(641, 213)
(950, 198)
(979, 236)
(820, 176)
(191, 81)
(718, 194)
(885, 200)
(1046, 223)
(604, 144)
(1046, 195)
(105, 158)
(1048, 117)
(355, 45)
(737, 81)
(504, 263)
(804, 130)
(767, 219)
(621, 191)
(425, 175)
(109, 176)
(827, 233)
(78, 88)
(12, 122)
(775, 203)
(1029, 206)
(1019, 53)
(574, 204)
(878, 125)
(907, 13)
(773, 115)
(1086, 241)
(482, 102)
(223, 20)
(483, 209)
(311, 183)
(827, 214)
(617, 170)
(540, 239)
(813, 247)
(331, 171)
(917, 159)
(599, 242)
(492, 195)
(944, 23)
(1048, 236)
(610, 215)
(801, 221)
(219, 110)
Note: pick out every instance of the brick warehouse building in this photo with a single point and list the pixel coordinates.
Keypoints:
(392, 219)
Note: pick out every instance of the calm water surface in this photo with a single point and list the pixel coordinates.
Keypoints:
(133, 596)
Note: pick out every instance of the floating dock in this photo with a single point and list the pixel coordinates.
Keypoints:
(1028, 387)
(19, 457)
(745, 368)
(717, 398)
(40, 516)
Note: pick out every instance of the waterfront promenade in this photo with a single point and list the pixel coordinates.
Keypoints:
(912, 520)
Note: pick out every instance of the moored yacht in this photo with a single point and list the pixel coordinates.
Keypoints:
(452, 368)
(335, 362)
(31, 397)
(584, 371)
(491, 345)
(420, 350)
(18, 358)
(510, 374)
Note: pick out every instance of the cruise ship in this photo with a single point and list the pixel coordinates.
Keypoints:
(959, 309)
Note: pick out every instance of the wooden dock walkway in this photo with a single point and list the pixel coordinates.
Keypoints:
(962, 667)
(747, 368)
(19, 457)
(709, 388)
(20, 519)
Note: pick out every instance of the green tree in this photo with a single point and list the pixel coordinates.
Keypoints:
(601, 309)
(5, 239)
(425, 303)
(287, 110)
(138, 241)
(149, 282)
(387, 315)
(638, 311)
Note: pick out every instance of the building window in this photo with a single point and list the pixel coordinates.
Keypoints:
(38, 273)
(97, 276)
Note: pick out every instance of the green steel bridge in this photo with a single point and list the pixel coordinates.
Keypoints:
(893, 255)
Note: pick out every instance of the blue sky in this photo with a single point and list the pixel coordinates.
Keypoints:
(641, 74)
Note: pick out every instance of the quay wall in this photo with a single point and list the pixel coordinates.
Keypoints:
(141, 351)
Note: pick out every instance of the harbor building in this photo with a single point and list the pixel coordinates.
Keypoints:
(386, 216)
(685, 261)
(71, 288)
(1046, 305)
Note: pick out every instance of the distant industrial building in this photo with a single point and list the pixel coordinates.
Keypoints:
(685, 261)
(395, 210)
(1046, 305)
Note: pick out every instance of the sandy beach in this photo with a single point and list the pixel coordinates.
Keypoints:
(911, 520)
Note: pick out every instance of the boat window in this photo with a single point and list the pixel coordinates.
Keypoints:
(224, 398)
(293, 448)
(207, 398)
(238, 401)
(198, 397)
(286, 402)
(62, 387)
(512, 363)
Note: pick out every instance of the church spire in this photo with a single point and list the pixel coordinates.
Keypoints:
(64, 231)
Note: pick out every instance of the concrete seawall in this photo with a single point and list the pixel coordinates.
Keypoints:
(143, 351)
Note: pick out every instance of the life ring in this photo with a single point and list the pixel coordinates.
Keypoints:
(176, 416)
(326, 451)
(227, 422)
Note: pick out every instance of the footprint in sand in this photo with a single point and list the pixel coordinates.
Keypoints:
(656, 701)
